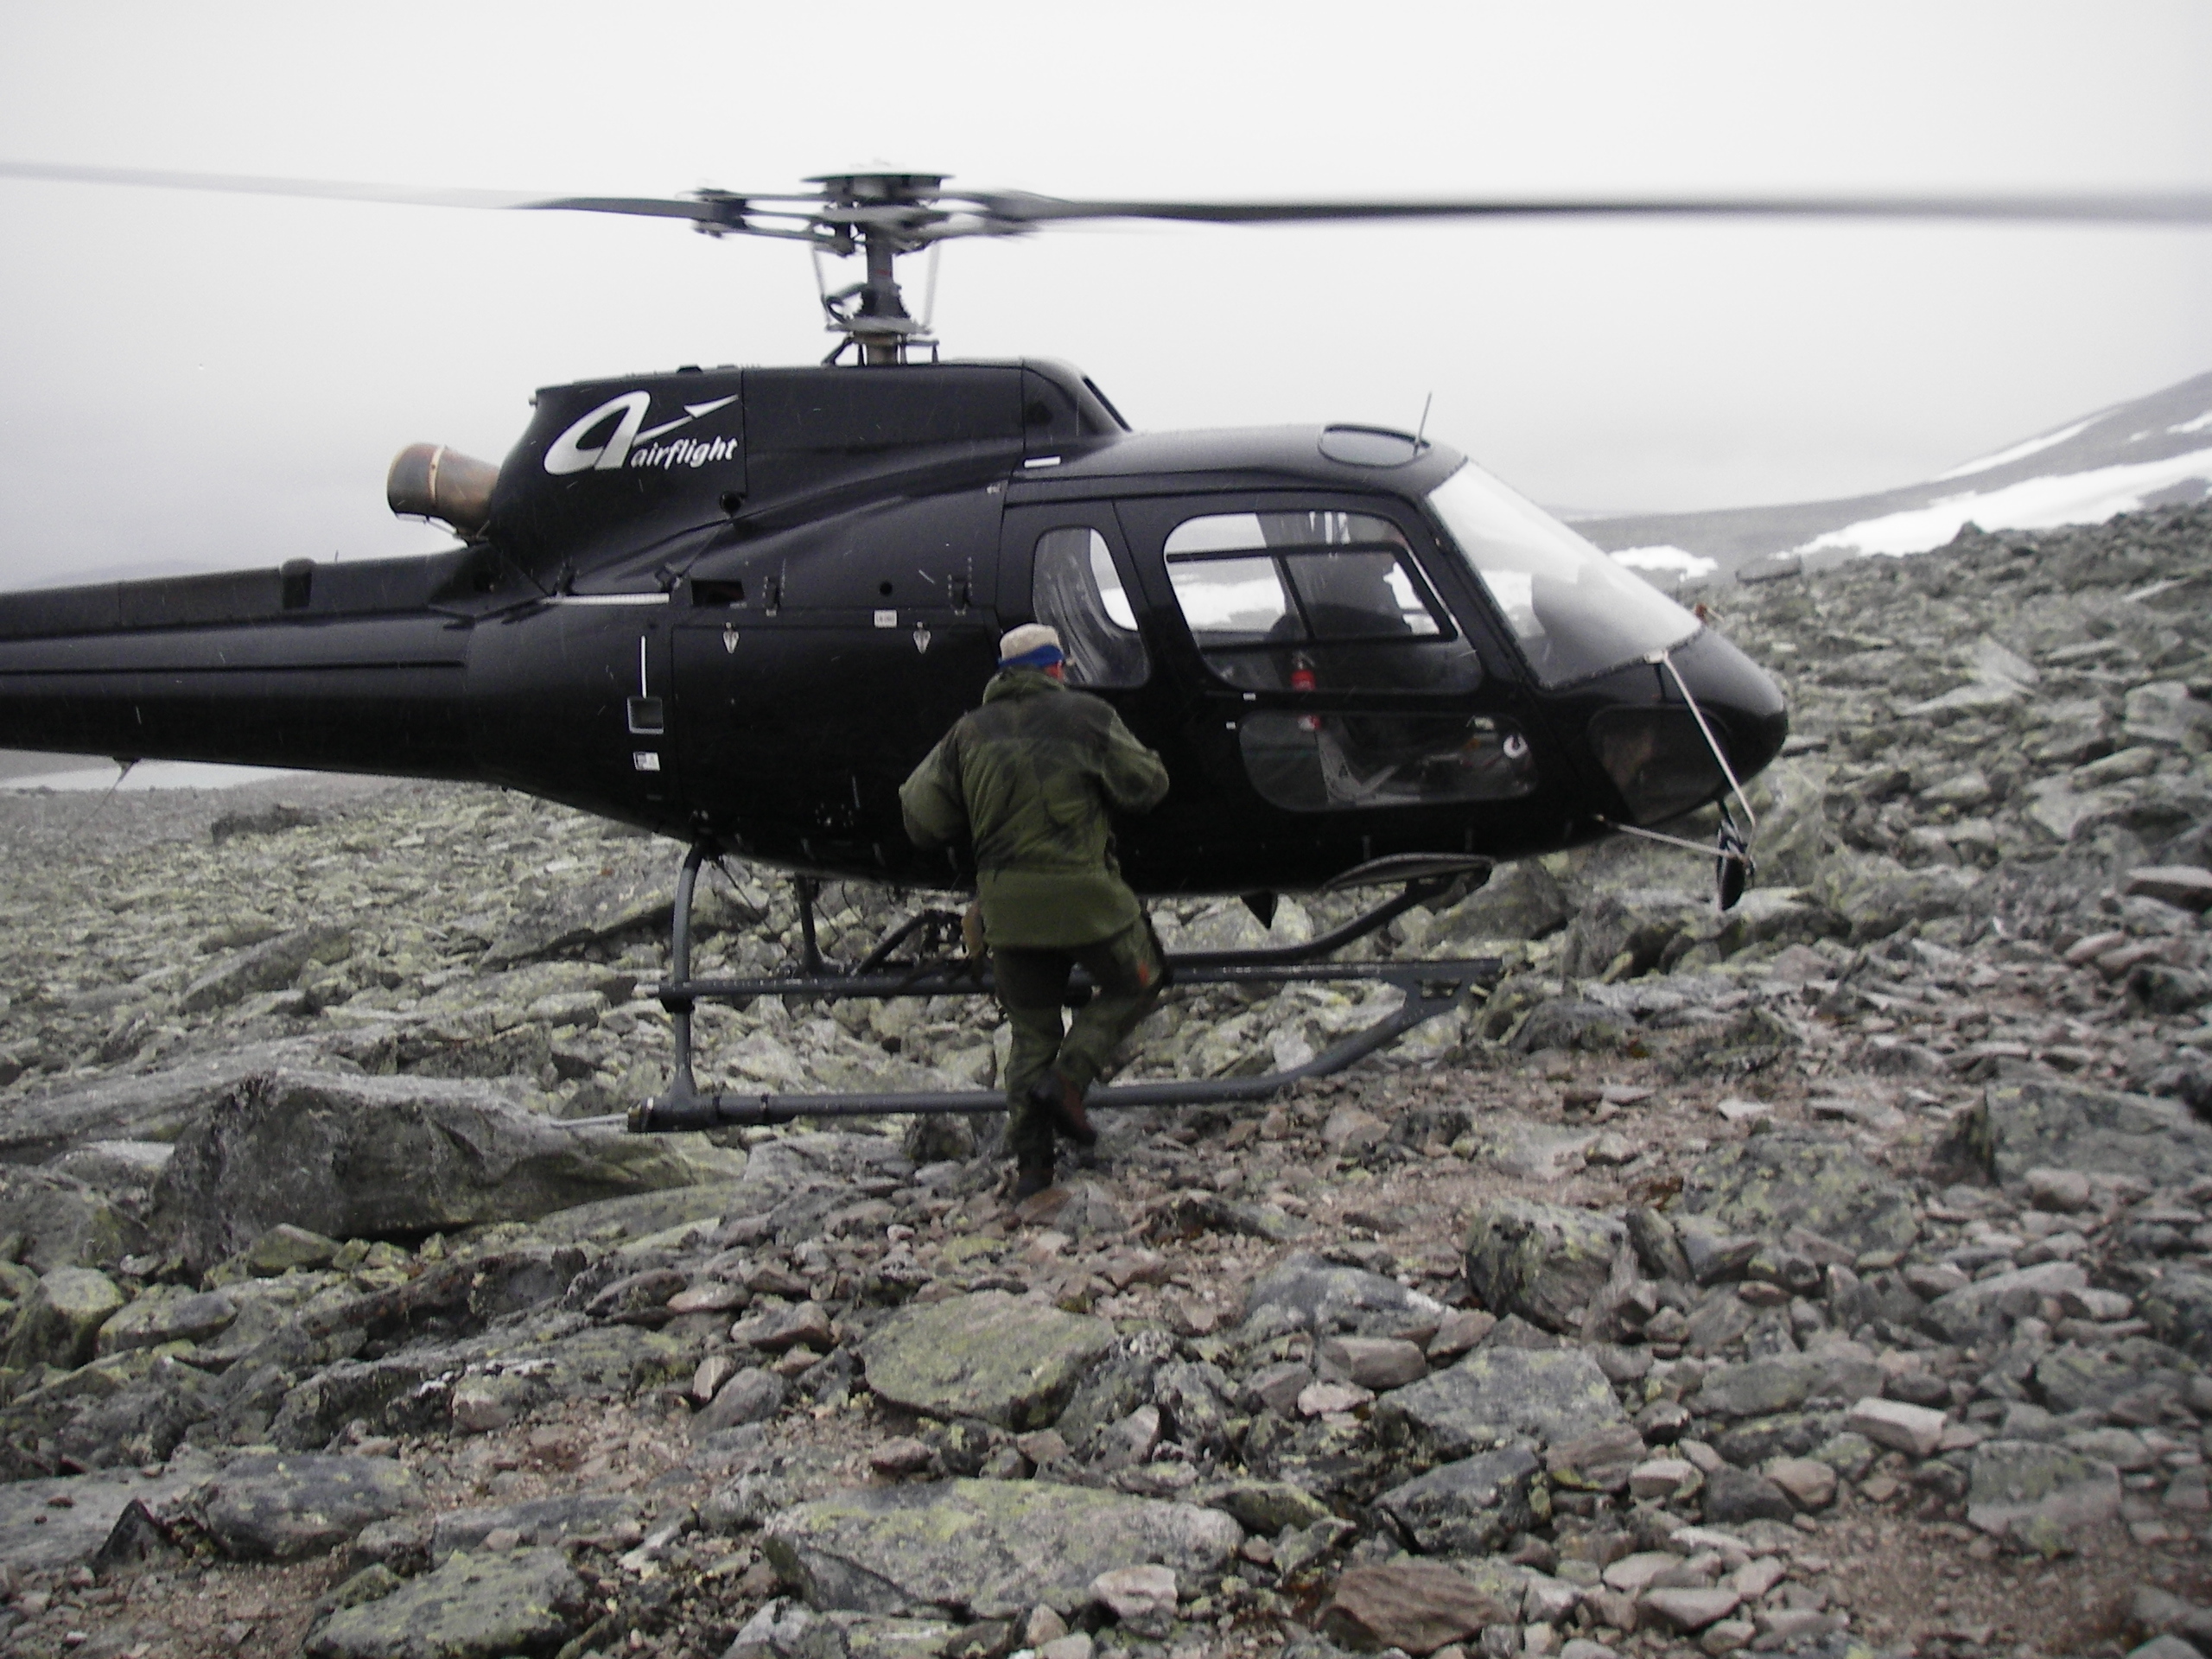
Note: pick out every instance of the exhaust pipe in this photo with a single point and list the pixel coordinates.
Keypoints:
(429, 480)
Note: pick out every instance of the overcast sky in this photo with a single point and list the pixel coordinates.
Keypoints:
(204, 380)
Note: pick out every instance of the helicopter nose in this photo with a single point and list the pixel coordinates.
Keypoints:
(1744, 707)
(1655, 752)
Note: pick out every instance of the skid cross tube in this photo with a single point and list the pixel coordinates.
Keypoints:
(1430, 988)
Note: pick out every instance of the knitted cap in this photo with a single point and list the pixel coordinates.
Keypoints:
(1031, 645)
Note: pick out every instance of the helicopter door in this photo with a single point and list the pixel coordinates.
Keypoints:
(1070, 562)
(1326, 650)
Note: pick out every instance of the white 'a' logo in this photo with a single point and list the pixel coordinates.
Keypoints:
(568, 454)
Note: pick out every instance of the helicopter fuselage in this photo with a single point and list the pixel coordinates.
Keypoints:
(739, 605)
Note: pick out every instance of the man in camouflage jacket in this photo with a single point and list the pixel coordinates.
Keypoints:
(1028, 778)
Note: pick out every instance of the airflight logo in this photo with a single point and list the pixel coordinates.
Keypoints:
(628, 446)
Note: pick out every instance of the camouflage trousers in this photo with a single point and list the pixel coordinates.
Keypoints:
(1129, 977)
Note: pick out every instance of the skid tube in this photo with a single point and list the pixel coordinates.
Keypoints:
(1431, 987)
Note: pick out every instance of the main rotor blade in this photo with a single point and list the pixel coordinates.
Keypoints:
(716, 207)
(2174, 207)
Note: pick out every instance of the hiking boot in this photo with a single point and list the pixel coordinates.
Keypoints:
(1061, 1102)
(1032, 1176)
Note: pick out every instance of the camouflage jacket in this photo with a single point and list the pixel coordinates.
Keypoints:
(1028, 778)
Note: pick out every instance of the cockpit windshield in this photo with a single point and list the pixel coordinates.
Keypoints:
(1573, 611)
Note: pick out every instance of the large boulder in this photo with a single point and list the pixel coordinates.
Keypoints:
(280, 1509)
(1521, 900)
(984, 1548)
(1467, 1508)
(2027, 1121)
(1642, 924)
(359, 1157)
(1543, 1261)
(991, 1356)
(1770, 1183)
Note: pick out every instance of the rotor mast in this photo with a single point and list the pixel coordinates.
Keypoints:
(880, 216)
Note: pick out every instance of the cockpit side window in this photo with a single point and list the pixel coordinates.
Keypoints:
(1321, 601)
(1077, 589)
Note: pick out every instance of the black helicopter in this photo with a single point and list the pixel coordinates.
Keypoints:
(736, 606)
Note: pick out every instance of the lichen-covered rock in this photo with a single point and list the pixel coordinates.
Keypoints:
(1467, 1508)
(983, 1548)
(283, 1508)
(1796, 1178)
(1543, 1261)
(990, 1356)
(473, 1607)
(355, 1157)
(2025, 1122)
(1498, 1397)
(2178, 1307)
(1980, 1312)
(61, 1323)
(271, 965)
(167, 1314)
(2040, 1497)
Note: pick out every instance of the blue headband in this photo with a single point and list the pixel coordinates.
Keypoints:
(1042, 657)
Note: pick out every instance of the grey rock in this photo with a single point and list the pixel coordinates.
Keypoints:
(540, 1520)
(473, 1607)
(1500, 1396)
(1265, 1507)
(270, 966)
(1521, 900)
(2177, 1306)
(1734, 1495)
(2025, 1122)
(158, 1106)
(1543, 1261)
(353, 1157)
(63, 1222)
(1760, 1386)
(1640, 923)
(1568, 1023)
(284, 1508)
(59, 1324)
(983, 1548)
(49, 1524)
(1598, 1462)
(1007, 1362)
(568, 915)
(165, 1313)
(1327, 1299)
(752, 1396)
(2038, 1497)
(1977, 1314)
(1467, 1508)
(1794, 1177)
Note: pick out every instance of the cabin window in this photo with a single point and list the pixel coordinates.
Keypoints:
(1311, 763)
(1077, 590)
(1313, 601)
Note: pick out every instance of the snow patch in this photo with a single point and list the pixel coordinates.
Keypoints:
(2019, 451)
(2088, 498)
(1681, 562)
(2202, 423)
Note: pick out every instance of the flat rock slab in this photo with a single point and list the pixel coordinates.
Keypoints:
(2026, 1124)
(1415, 1606)
(159, 1106)
(538, 1521)
(1793, 1178)
(1008, 1360)
(474, 1607)
(1543, 1261)
(39, 1534)
(1329, 1299)
(1502, 1397)
(2040, 1497)
(284, 1508)
(983, 1548)
(63, 1222)
(1979, 1313)
(368, 1157)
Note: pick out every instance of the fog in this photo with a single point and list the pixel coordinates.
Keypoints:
(194, 380)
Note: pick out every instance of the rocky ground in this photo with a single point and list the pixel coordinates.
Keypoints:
(1831, 1276)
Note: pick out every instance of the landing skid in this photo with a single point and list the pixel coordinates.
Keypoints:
(1431, 987)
